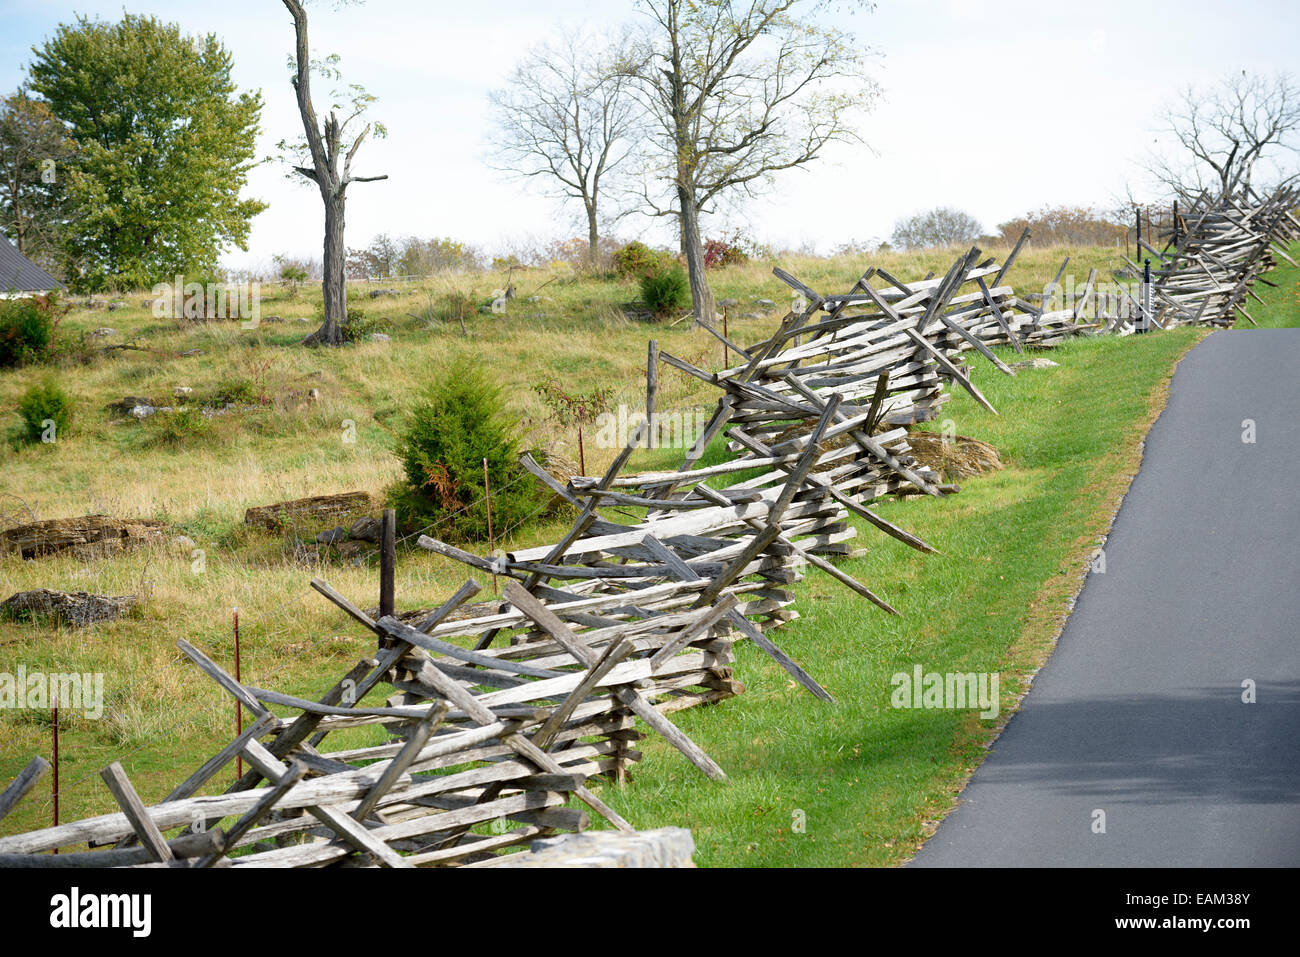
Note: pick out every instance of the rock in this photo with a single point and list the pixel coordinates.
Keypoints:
(302, 319)
(365, 529)
(765, 303)
(144, 411)
(128, 402)
(355, 552)
(114, 306)
(376, 293)
(103, 333)
(752, 315)
(76, 609)
(181, 391)
(1035, 363)
(273, 319)
(380, 337)
(184, 543)
(666, 847)
(316, 510)
(729, 302)
(37, 539)
(331, 537)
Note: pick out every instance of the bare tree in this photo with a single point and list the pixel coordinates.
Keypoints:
(1224, 136)
(565, 116)
(943, 226)
(737, 91)
(324, 146)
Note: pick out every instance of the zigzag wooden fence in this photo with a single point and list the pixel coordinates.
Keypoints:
(635, 618)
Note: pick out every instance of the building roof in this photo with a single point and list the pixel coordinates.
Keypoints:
(20, 274)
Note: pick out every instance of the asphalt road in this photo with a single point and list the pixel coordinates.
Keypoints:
(1139, 711)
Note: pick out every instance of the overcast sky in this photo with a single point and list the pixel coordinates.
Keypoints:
(1056, 104)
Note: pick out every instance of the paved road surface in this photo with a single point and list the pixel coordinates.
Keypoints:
(1138, 713)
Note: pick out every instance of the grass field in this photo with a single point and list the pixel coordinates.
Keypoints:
(866, 779)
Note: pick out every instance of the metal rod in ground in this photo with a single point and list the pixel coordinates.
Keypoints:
(239, 714)
(54, 784)
(388, 563)
(487, 498)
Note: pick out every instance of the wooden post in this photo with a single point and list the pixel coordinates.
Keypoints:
(388, 562)
(651, 393)
(582, 457)
(239, 712)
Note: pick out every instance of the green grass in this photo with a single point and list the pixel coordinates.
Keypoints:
(867, 778)
(869, 782)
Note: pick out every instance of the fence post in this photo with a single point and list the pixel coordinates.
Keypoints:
(387, 563)
(239, 711)
(652, 392)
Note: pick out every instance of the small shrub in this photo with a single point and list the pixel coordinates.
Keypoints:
(724, 252)
(26, 329)
(637, 260)
(359, 326)
(666, 292)
(178, 428)
(457, 422)
(236, 390)
(42, 404)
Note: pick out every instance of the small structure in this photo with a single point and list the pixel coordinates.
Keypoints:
(19, 276)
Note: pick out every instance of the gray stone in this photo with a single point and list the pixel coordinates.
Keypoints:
(376, 293)
(729, 302)
(103, 333)
(332, 536)
(1035, 363)
(380, 337)
(76, 609)
(665, 847)
(143, 411)
(365, 529)
(765, 303)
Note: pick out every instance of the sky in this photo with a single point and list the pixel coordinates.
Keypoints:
(996, 107)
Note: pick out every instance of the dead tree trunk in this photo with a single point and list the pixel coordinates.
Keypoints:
(701, 294)
(325, 145)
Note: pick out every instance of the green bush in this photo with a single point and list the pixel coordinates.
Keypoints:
(666, 292)
(26, 330)
(457, 422)
(179, 428)
(44, 403)
(359, 326)
(637, 260)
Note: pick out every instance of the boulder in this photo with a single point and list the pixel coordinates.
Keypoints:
(365, 529)
(86, 536)
(75, 609)
(316, 510)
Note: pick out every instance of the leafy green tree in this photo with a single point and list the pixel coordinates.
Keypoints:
(164, 142)
(33, 151)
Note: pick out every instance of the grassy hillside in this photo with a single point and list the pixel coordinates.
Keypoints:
(867, 779)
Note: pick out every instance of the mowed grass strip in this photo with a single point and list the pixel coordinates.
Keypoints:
(859, 782)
